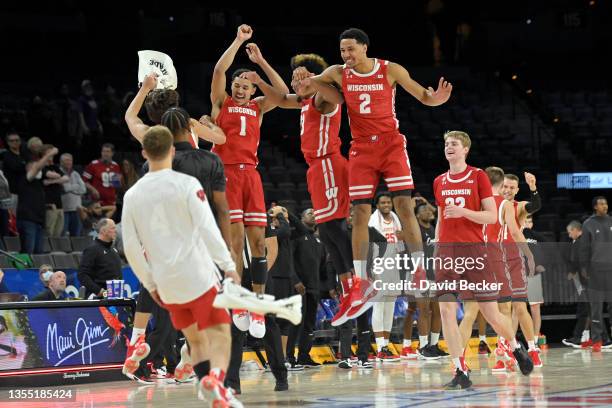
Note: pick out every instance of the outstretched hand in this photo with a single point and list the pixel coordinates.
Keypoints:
(150, 81)
(251, 76)
(442, 94)
(254, 53)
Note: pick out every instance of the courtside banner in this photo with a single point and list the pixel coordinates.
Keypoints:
(39, 337)
(27, 282)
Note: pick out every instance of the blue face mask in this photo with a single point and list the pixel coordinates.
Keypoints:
(47, 275)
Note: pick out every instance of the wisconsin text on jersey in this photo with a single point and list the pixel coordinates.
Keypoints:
(239, 109)
(466, 191)
(367, 87)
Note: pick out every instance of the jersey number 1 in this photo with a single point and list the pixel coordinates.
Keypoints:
(242, 125)
(364, 107)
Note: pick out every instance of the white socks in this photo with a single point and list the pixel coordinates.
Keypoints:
(360, 269)
(434, 338)
(531, 345)
(586, 335)
(135, 334)
(483, 338)
(380, 343)
(423, 341)
(407, 343)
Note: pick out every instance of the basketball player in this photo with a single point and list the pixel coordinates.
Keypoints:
(385, 221)
(157, 101)
(513, 257)
(465, 202)
(173, 247)
(240, 118)
(203, 165)
(378, 148)
(327, 175)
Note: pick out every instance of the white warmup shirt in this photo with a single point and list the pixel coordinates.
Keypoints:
(166, 215)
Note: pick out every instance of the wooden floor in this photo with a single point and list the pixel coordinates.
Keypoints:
(569, 378)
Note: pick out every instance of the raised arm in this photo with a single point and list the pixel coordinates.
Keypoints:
(206, 130)
(429, 96)
(33, 168)
(135, 124)
(217, 89)
(535, 202)
(517, 235)
(273, 95)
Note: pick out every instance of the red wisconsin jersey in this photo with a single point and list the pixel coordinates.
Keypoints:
(104, 177)
(319, 132)
(510, 249)
(370, 101)
(241, 127)
(465, 189)
(494, 233)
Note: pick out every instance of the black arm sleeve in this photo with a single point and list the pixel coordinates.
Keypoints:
(284, 230)
(300, 229)
(87, 270)
(534, 204)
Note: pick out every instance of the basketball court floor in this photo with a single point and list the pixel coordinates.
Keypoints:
(569, 378)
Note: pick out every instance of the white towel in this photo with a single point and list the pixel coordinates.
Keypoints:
(159, 63)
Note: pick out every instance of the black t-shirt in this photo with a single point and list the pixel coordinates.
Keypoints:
(201, 164)
(47, 294)
(31, 204)
(53, 192)
(14, 168)
(428, 235)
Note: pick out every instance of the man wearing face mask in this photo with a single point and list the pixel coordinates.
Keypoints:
(100, 261)
(56, 289)
(44, 274)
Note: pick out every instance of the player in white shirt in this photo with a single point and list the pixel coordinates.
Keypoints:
(172, 243)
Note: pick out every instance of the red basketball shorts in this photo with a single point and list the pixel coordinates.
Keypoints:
(200, 311)
(462, 269)
(327, 179)
(515, 269)
(245, 195)
(376, 156)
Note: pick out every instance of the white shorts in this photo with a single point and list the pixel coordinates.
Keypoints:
(535, 293)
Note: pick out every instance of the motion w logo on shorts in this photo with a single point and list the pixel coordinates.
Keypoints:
(331, 193)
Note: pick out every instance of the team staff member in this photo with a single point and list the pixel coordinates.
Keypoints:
(100, 261)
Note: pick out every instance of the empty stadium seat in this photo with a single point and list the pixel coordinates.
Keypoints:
(60, 244)
(12, 244)
(80, 243)
(41, 259)
(64, 261)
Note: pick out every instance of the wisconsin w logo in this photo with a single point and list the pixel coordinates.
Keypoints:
(331, 193)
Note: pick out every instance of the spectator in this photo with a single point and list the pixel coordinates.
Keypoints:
(3, 287)
(53, 181)
(31, 205)
(14, 163)
(67, 117)
(129, 176)
(103, 177)
(74, 189)
(44, 274)
(6, 201)
(34, 145)
(93, 214)
(100, 261)
(111, 113)
(92, 128)
(56, 289)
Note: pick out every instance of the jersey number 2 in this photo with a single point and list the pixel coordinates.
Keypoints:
(242, 125)
(364, 107)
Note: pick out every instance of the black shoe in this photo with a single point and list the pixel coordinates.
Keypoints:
(308, 362)
(523, 360)
(572, 342)
(365, 364)
(427, 353)
(293, 366)
(436, 349)
(346, 364)
(461, 381)
(606, 345)
(281, 386)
